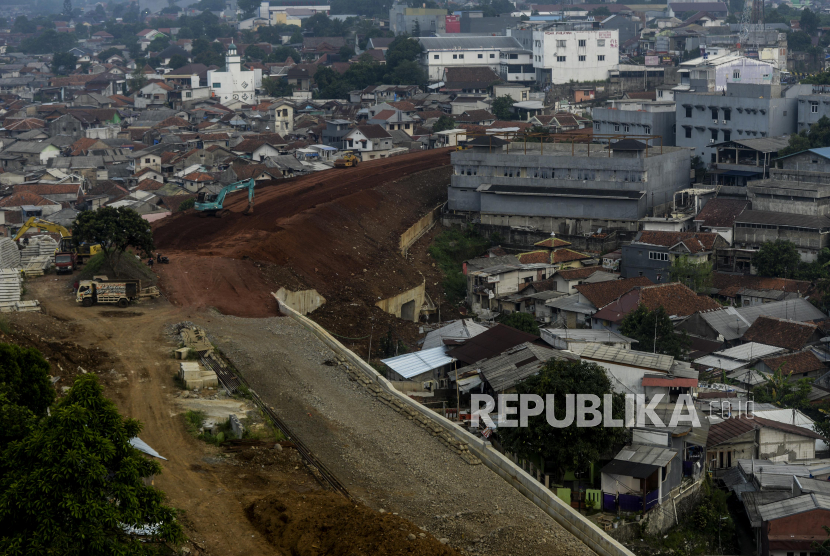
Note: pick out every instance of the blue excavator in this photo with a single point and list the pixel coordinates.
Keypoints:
(213, 203)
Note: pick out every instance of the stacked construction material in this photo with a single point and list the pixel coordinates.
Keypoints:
(9, 290)
(39, 246)
(9, 253)
(194, 376)
(37, 266)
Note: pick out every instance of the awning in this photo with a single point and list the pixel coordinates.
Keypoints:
(670, 382)
(418, 362)
(629, 469)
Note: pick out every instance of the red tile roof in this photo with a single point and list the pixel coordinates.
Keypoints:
(566, 255)
(729, 284)
(534, 257)
(199, 177)
(494, 341)
(173, 121)
(25, 124)
(24, 198)
(47, 189)
(796, 363)
(727, 430)
(721, 213)
(579, 273)
(603, 293)
(81, 146)
(694, 241)
(676, 299)
(787, 334)
(149, 185)
(552, 243)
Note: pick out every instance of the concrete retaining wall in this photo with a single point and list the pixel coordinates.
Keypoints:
(303, 301)
(471, 448)
(419, 228)
(397, 305)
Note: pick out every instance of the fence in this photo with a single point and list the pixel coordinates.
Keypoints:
(652, 498)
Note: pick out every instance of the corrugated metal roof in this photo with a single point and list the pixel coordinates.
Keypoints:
(507, 369)
(793, 506)
(142, 446)
(813, 485)
(754, 500)
(783, 219)
(413, 364)
(629, 357)
(731, 323)
(738, 356)
(461, 329)
(639, 460)
(585, 335)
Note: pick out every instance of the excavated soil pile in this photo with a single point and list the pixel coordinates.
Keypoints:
(335, 231)
(326, 523)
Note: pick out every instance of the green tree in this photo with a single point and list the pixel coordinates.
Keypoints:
(585, 445)
(296, 38)
(407, 72)
(115, 229)
(112, 51)
(798, 41)
(600, 12)
(24, 378)
(416, 29)
(158, 44)
(443, 123)
(809, 21)
(345, 53)
(654, 332)
(64, 63)
(277, 87)
(254, 52)
(401, 49)
(138, 79)
(23, 25)
(248, 7)
(282, 53)
(779, 390)
(177, 61)
(695, 276)
(521, 321)
(777, 259)
(74, 484)
(47, 42)
(503, 107)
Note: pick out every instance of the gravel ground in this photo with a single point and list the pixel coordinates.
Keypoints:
(384, 459)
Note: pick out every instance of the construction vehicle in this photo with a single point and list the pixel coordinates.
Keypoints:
(65, 262)
(67, 244)
(213, 203)
(120, 292)
(346, 161)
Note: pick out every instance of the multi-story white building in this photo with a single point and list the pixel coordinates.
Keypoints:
(516, 66)
(565, 52)
(234, 84)
(439, 53)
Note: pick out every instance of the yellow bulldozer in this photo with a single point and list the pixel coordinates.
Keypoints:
(346, 161)
(67, 245)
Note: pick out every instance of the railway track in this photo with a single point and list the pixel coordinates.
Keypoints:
(232, 381)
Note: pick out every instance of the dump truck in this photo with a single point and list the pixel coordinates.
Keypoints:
(65, 262)
(118, 292)
(346, 161)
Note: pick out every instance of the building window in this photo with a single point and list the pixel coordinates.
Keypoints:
(560, 58)
(688, 111)
(582, 58)
(660, 94)
(616, 127)
(596, 126)
(727, 114)
(435, 56)
(736, 74)
(460, 56)
(658, 256)
(626, 128)
(727, 135)
(188, 95)
(146, 161)
(601, 42)
(601, 58)
(481, 56)
(688, 132)
(714, 113)
(582, 42)
(561, 44)
(813, 107)
(714, 135)
(492, 55)
(647, 130)
(455, 56)
(217, 85)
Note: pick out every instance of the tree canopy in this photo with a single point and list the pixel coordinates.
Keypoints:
(584, 445)
(818, 136)
(503, 107)
(443, 123)
(778, 259)
(115, 229)
(73, 485)
(654, 332)
(277, 87)
(521, 321)
(24, 377)
(695, 276)
(64, 63)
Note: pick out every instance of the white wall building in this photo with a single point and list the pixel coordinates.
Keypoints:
(233, 83)
(440, 53)
(563, 53)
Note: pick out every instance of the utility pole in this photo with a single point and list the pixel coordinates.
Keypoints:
(457, 394)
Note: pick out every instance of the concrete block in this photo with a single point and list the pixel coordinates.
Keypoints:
(193, 383)
(209, 379)
(182, 353)
(236, 426)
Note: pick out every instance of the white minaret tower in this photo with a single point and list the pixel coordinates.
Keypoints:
(233, 62)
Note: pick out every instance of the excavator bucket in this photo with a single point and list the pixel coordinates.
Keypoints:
(249, 210)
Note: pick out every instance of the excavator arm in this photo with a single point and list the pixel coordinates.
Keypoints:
(210, 204)
(35, 222)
